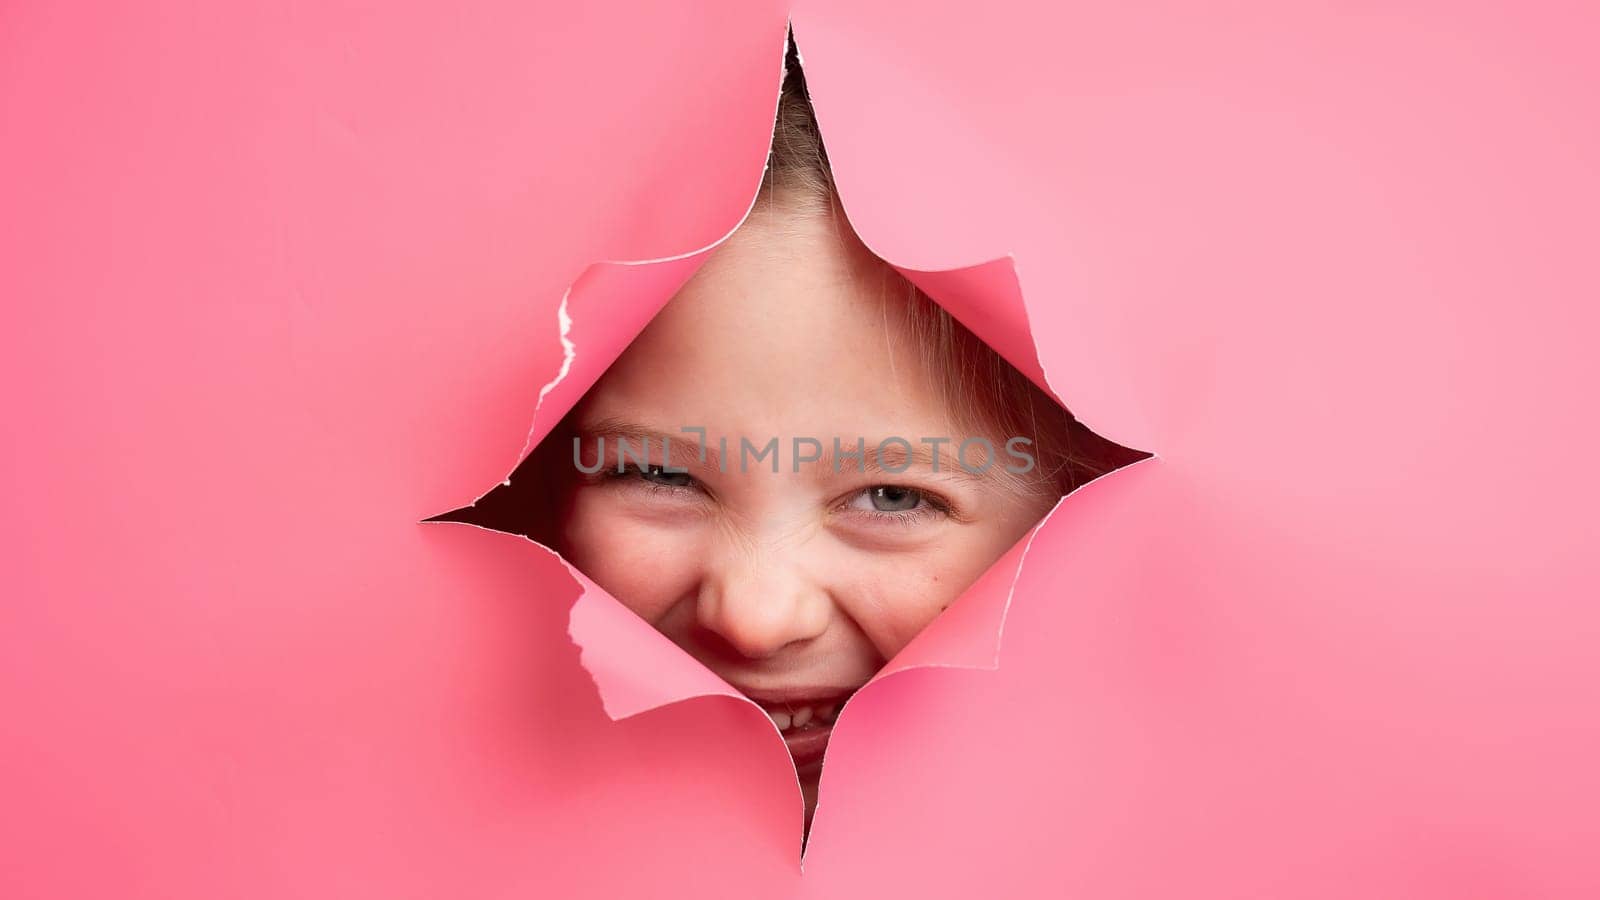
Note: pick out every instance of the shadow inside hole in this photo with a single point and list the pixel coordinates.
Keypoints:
(528, 503)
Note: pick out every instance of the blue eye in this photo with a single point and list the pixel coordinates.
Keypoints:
(892, 498)
(897, 503)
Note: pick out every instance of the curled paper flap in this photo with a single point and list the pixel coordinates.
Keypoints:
(634, 667)
(603, 311)
(987, 299)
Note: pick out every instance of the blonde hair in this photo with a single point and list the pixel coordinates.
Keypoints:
(981, 389)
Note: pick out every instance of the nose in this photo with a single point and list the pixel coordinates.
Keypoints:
(761, 604)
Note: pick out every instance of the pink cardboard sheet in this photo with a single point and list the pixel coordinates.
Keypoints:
(279, 282)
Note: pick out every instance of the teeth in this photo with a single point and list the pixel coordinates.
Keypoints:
(801, 716)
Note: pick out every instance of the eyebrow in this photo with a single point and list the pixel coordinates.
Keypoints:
(620, 430)
(894, 459)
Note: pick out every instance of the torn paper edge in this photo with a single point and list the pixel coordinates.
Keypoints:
(569, 354)
(569, 350)
(889, 671)
(564, 324)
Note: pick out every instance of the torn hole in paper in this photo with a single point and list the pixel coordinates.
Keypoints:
(775, 486)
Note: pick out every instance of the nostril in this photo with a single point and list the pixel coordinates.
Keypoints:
(713, 644)
(753, 629)
(753, 640)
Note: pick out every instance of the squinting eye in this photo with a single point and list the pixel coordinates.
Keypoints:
(659, 475)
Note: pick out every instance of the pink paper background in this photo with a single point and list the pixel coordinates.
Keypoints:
(278, 281)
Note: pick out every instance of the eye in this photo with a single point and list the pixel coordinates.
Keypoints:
(896, 503)
(893, 498)
(659, 475)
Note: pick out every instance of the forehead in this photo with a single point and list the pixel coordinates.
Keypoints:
(791, 327)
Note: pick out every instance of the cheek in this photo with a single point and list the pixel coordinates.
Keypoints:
(892, 597)
(647, 568)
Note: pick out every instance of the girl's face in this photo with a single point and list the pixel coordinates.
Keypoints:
(794, 586)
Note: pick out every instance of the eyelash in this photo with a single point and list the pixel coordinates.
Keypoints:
(636, 474)
(933, 504)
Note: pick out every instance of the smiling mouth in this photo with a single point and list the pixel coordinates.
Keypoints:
(806, 724)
